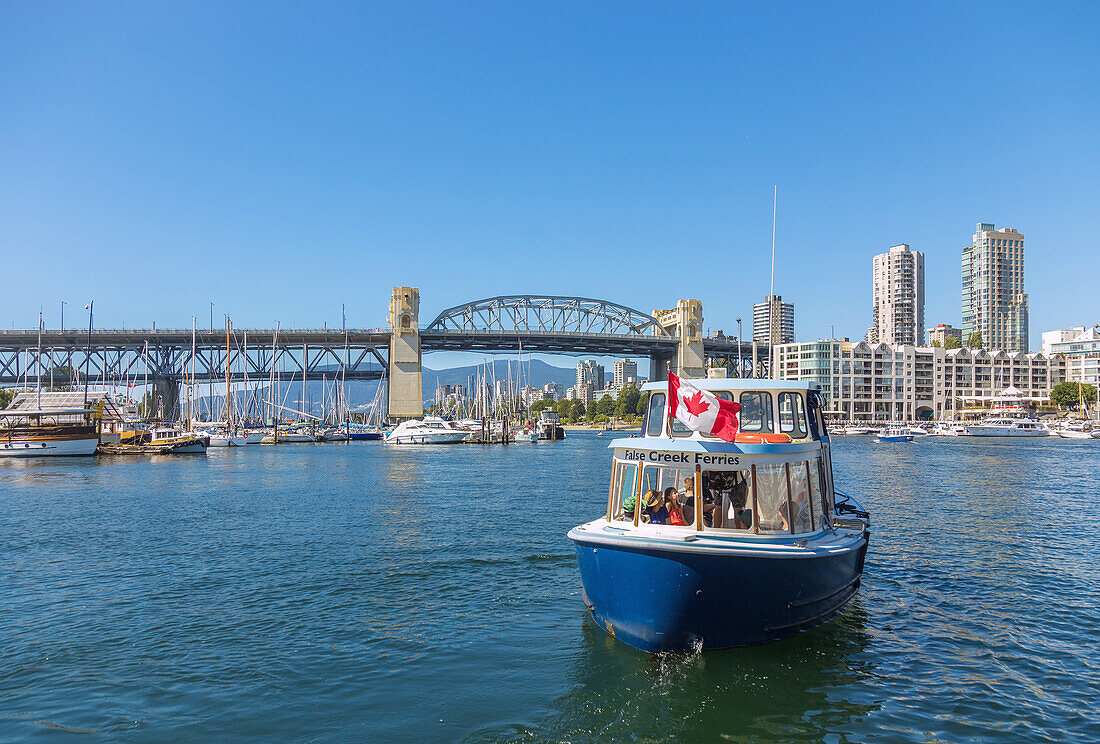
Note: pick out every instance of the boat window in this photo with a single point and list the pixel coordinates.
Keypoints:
(800, 505)
(770, 497)
(792, 416)
(622, 486)
(818, 494)
(655, 415)
(726, 499)
(658, 479)
(756, 412)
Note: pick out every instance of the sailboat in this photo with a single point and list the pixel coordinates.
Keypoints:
(227, 437)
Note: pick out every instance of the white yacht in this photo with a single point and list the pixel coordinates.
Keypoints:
(1008, 427)
(950, 429)
(550, 427)
(856, 429)
(1082, 430)
(429, 430)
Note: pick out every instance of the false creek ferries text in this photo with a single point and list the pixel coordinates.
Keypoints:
(687, 458)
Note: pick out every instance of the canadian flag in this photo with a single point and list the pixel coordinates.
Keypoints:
(701, 411)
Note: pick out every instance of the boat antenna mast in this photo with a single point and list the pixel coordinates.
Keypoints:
(775, 198)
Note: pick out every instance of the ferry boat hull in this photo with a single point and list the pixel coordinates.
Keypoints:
(695, 600)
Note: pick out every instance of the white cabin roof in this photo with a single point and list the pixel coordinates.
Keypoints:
(737, 383)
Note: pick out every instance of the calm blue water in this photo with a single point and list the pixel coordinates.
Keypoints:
(327, 593)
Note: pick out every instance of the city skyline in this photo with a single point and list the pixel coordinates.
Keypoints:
(155, 181)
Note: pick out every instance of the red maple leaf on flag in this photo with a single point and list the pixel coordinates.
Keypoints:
(696, 404)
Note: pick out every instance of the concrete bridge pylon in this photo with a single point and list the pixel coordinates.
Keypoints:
(406, 399)
(685, 322)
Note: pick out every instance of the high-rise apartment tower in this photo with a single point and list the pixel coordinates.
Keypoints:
(773, 321)
(626, 373)
(898, 297)
(993, 298)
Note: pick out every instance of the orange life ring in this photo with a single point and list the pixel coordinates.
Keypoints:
(744, 438)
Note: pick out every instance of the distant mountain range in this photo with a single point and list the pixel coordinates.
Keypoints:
(536, 374)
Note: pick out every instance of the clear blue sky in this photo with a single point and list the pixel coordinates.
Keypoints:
(281, 159)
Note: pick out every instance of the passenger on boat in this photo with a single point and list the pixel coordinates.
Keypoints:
(734, 512)
(672, 506)
(654, 510)
(687, 503)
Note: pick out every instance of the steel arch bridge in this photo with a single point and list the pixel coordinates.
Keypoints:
(547, 314)
(548, 323)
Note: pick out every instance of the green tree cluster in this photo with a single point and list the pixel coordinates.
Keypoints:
(626, 405)
(952, 342)
(541, 405)
(5, 397)
(1069, 394)
(605, 407)
(974, 340)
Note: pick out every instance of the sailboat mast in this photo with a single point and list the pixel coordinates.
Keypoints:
(192, 383)
(38, 377)
(244, 367)
(228, 413)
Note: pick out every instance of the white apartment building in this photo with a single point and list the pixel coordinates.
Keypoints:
(993, 299)
(897, 314)
(1080, 347)
(626, 373)
(942, 332)
(887, 382)
(773, 321)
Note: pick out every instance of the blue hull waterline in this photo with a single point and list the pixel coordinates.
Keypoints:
(702, 601)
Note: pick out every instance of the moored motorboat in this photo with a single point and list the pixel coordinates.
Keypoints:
(857, 429)
(429, 430)
(550, 427)
(526, 435)
(773, 550)
(1008, 427)
(160, 440)
(1082, 430)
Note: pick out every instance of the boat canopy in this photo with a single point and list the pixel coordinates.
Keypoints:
(736, 383)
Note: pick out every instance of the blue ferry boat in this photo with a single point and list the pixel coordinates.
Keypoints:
(707, 544)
